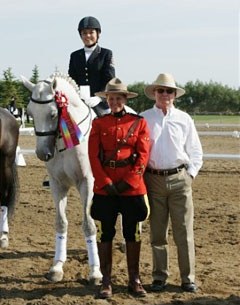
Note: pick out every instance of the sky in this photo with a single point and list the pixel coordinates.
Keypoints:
(194, 40)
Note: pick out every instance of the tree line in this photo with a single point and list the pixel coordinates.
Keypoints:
(200, 97)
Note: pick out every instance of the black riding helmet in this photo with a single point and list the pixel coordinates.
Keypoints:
(89, 23)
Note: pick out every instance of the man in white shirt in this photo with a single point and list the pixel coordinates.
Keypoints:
(175, 159)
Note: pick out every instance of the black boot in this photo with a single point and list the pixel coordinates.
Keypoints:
(101, 109)
(133, 254)
(105, 256)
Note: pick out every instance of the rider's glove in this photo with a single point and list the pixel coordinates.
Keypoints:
(122, 186)
(111, 189)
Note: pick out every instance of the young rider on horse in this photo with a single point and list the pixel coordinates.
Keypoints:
(92, 65)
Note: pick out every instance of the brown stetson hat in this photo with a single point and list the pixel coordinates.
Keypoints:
(115, 85)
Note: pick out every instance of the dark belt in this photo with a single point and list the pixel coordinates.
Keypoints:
(165, 172)
(118, 163)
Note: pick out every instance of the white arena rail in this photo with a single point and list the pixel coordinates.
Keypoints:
(221, 156)
(205, 156)
(28, 131)
(216, 125)
(235, 134)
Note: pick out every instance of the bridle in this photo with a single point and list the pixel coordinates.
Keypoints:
(44, 133)
(56, 131)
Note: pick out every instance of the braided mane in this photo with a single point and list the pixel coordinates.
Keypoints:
(68, 79)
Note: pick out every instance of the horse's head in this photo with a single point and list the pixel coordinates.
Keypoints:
(44, 111)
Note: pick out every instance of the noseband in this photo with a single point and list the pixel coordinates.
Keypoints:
(44, 133)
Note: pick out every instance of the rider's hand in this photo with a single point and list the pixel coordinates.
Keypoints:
(122, 186)
(111, 189)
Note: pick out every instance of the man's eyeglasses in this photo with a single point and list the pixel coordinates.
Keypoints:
(167, 90)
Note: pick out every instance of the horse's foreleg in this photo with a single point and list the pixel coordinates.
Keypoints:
(4, 227)
(8, 195)
(56, 271)
(95, 274)
(89, 230)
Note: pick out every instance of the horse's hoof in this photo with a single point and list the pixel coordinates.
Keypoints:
(54, 277)
(4, 241)
(4, 244)
(95, 277)
(55, 273)
(95, 281)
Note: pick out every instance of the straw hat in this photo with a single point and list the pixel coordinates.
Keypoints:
(163, 80)
(116, 86)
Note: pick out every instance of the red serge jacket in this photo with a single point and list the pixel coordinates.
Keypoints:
(106, 132)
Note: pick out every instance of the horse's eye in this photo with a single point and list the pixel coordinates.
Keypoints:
(54, 114)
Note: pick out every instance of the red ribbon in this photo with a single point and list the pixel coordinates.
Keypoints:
(61, 99)
(67, 125)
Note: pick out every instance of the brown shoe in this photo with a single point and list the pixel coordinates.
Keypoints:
(136, 288)
(105, 291)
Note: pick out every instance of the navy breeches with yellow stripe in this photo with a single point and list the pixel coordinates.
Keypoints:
(105, 209)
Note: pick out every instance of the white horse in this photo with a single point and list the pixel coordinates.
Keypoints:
(66, 167)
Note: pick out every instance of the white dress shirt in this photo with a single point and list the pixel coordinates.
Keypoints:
(174, 140)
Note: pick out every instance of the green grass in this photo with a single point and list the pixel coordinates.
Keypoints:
(217, 119)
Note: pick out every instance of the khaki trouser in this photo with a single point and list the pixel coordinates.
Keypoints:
(171, 196)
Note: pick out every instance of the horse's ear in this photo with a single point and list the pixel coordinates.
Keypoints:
(29, 85)
(54, 83)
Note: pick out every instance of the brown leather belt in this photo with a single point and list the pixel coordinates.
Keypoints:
(165, 172)
(117, 163)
